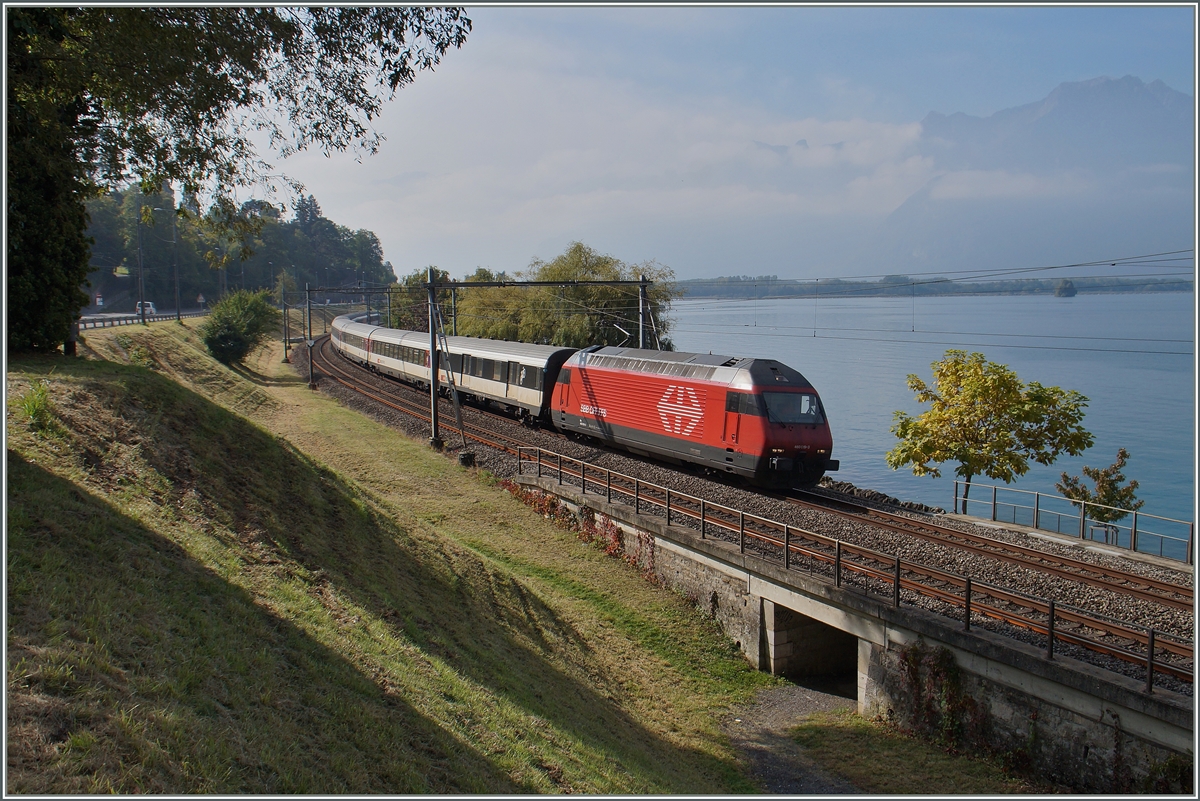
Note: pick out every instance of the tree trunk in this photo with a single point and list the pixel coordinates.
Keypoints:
(966, 493)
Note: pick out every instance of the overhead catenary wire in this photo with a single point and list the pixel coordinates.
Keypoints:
(764, 332)
(615, 312)
(1111, 262)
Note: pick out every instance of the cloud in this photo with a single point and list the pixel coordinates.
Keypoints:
(529, 138)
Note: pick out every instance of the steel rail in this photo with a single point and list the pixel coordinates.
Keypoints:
(851, 559)
(922, 580)
(350, 381)
(1109, 579)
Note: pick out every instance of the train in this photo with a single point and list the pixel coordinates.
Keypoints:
(757, 419)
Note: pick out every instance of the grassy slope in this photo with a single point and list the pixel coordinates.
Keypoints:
(221, 582)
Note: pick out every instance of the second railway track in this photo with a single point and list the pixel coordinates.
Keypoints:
(985, 550)
(1121, 582)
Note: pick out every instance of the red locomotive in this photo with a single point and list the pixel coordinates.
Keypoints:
(755, 418)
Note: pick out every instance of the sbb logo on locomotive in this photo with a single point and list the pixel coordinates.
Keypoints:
(596, 410)
(680, 410)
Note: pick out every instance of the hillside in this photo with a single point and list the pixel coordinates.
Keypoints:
(220, 582)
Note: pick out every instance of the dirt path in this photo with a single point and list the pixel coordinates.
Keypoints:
(759, 732)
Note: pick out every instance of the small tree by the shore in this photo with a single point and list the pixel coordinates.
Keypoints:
(987, 420)
(1110, 501)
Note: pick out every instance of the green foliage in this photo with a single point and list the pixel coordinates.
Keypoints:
(96, 95)
(987, 421)
(208, 256)
(1174, 775)
(575, 316)
(410, 301)
(239, 323)
(36, 407)
(1108, 492)
(283, 285)
(46, 187)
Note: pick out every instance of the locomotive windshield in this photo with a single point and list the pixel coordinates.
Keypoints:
(793, 407)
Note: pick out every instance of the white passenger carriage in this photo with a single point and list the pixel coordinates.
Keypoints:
(515, 375)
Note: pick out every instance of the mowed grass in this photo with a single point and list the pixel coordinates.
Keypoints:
(878, 759)
(221, 582)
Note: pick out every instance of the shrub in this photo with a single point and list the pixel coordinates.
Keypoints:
(35, 406)
(238, 324)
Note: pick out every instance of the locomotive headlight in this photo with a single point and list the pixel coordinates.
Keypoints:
(820, 451)
(776, 450)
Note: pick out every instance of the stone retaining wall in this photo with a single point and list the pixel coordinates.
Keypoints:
(1063, 720)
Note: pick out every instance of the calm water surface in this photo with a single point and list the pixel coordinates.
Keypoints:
(1131, 355)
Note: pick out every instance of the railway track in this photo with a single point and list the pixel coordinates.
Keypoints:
(335, 368)
(1120, 582)
(875, 572)
(883, 575)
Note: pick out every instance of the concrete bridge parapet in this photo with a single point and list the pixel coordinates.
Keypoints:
(1069, 721)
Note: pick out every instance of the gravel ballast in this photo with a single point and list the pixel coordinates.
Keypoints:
(981, 569)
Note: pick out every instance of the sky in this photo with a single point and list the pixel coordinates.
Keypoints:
(653, 133)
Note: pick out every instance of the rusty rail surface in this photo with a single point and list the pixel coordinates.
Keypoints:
(826, 557)
(884, 574)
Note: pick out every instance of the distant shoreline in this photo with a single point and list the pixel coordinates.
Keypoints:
(771, 288)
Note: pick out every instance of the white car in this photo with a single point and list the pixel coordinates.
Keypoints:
(149, 308)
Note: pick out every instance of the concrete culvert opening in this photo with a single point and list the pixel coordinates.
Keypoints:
(808, 652)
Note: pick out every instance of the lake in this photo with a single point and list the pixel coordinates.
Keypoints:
(1130, 354)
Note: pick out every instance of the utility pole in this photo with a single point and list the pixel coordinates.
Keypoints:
(435, 441)
(309, 339)
(454, 307)
(174, 260)
(141, 284)
(643, 306)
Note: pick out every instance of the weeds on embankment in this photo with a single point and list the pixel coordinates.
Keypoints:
(220, 582)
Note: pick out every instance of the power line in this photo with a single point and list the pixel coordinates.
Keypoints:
(762, 333)
(1113, 262)
(946, 333)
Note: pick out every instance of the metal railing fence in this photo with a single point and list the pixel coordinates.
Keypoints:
(1134, 531)
(133, 319)
(845, 564)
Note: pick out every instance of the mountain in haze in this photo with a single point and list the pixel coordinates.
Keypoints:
(1101, 123)
(1100, 168)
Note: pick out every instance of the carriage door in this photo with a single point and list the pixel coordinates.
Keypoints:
(564, 388)
(732, 418)
(516, 374)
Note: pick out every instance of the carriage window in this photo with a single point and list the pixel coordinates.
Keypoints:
(526, 376)
(793, 407)
(564, 376)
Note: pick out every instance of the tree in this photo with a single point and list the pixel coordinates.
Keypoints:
(47, 253)
(283, 285)
(239, 323)
(985, 419)
(1065, 289)
(571, 316)
(1108, 491)
(97, 95)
